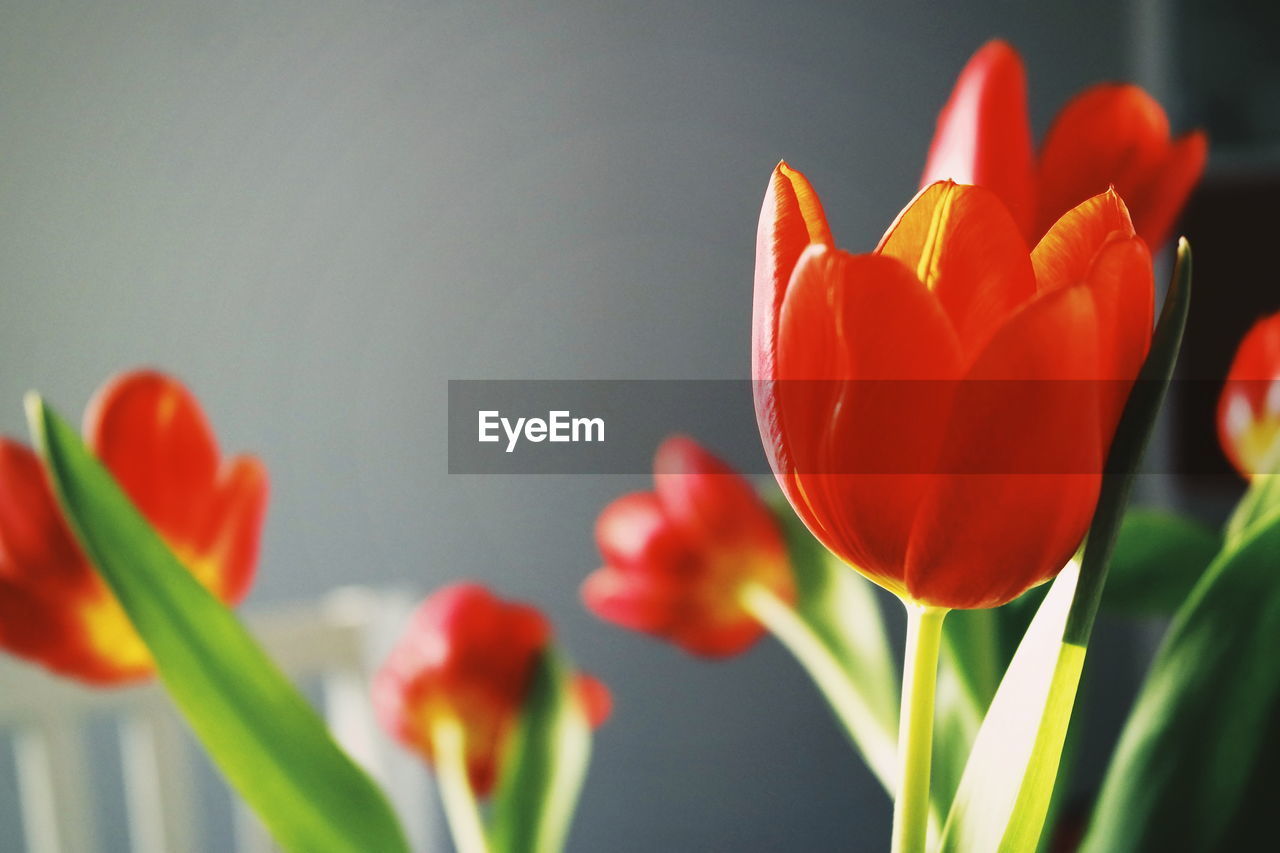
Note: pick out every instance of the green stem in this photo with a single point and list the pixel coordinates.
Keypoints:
(915, 728)
(448, 741)
(842, 694)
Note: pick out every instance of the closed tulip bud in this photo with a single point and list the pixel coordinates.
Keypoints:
(467, 658)
(678, 559)
(938, 411)
(149, 431)
(1249, 408)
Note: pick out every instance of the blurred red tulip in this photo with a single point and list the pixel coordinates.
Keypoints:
(1110, 135)
(150, 433)
(920, 405)
(1249, 408)
(468, 656)
(677, 558)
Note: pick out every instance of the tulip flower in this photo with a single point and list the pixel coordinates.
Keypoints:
(149, 431)
(1249, 408)
(915, 483)
(1110, 135)
(678, 559)
(461, 671)
(907, 399)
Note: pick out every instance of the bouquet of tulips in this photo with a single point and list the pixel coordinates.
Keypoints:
(955, 417)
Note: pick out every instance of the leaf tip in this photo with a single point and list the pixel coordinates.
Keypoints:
(34, 404)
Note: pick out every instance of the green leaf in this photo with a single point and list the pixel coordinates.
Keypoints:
(261, 733)
(544, 765)
(840, 607)
(1015, 755)
(1007, 786)
(1158, 558)
(968, 674)
(1192, 745)
(972, 647)
(836, 632)
(1261, 498)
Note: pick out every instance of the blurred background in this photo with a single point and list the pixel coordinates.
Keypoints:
(316, 213)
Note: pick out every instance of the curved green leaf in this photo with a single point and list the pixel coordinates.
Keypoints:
(1261, 498)
(840, 607)
(836, 632)
(544, 765)
(1008, 783)
(1191, 746)
(257, 728)
(1158, 558)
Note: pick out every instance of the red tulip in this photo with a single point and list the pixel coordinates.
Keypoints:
(469, 657)
(901, 393)
(151, 434)
(1249, 408)
(678, 558)
(1108, 135)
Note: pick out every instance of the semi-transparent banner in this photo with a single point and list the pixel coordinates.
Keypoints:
(857, 427)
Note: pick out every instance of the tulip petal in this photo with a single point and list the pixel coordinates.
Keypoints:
(984, 135)
(597, 701)
(1021, 467)
(1249, 407)
(1066, 252)
(710, 502)
(964, 246)
(1108, 135)
(629, 599)
(791, 218)
(1157, 205)
(857, 331)
(37, 548)
(150, 432)
(633, 532)
(227, 549)
(1121, 282)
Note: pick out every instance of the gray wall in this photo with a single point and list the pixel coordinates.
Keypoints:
(317, 213)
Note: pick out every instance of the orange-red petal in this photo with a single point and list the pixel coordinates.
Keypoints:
(150, 432)
(1022, 461)
(1116, 135)
(1249, 407)
(865, 354)
(983, 135)
(231, 531)
(710, 502)
(962, 244)
(597, 701)
(37, 548)
(1065, 253)
(791, 218)
(1167, 188)
(1122, 284)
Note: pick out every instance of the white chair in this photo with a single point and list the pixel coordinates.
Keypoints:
(335, 642)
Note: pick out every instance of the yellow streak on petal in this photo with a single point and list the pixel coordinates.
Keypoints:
(929, 265)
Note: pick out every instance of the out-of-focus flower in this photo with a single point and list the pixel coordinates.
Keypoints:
(1249, 408)
(677, 559)
(938, 411)
(1109, 135)
(467, 658)
(150, 433)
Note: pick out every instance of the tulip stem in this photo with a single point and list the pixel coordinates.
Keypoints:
(869, 735)
(448, 741)
(915, 727)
